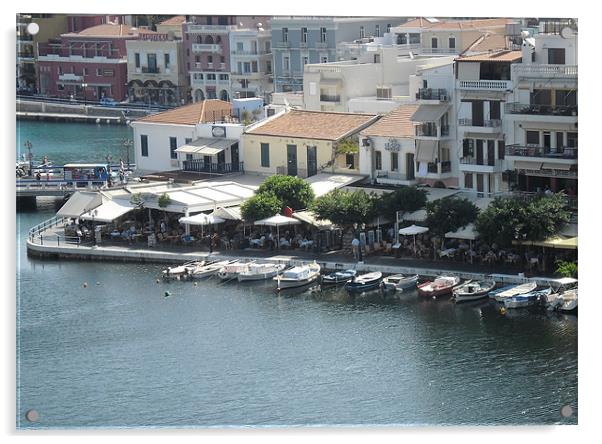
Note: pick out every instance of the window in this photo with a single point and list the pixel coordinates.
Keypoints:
(286, 63)
(144, 145)
(222, 59)
(377, 31)
(152, 62)
(268, 67)
(85, 71)
(60, 70)
(556, 56)
(265, 155)
(414, 38)
(187, 140)
(402, 39)
(305, 60)
(304, 35)
(452, 43)
(376, 58)
(468, 180)
(254, 66)
(378, 160)
(533, 138)
(239, 46)
(494, 110)
(434, 42)
(209, 59)
(223, 76)
(285, 34)
(137, 60)
(541, 97)
(246, 67)
(197, 59)
(210, 76)
(166, 60)
(394, 161)
(61, 87)
(173, 144)
(566, 97)
(362, 32)
(268, 47)
(350, 161)
(468, 148)
(323, 35)
(324, 59)
(388, 27)
(501, 149)
(571, 140)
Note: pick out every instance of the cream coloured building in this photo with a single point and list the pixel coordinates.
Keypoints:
(303, 143)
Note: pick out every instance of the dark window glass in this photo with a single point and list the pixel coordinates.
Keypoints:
(556, 56)
(494, 110)
(265, 155)
(394, 161)
(378, 160)
(173, 144)
(144, 145)
(532, 137)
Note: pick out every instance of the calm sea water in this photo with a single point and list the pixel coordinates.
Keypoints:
(120, 354)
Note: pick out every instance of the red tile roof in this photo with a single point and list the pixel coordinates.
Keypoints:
(396, 123)
(498, 56)
(424, 23)
(109, 30)
(314, 125)
(199, 112)
(176, 20)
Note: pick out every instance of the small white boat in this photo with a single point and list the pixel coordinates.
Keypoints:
(565, 301)
(260, 272)
(231, 271)
(526, 299)
(472, 290)
(298, 276)
(399, 282)
(441, 286)
(364, 282)
(207, 270)
(515, 291)
(338, 277)
(181, 271)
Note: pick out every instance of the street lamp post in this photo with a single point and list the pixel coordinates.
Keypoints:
(84, 86)
(127, 143)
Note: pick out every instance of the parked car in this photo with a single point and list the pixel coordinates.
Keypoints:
(107, 101)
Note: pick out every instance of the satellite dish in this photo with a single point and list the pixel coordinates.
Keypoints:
(567, 33)
(33, 28)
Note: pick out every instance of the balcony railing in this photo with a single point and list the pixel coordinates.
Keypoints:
(50, 50)
(432, 168)
(431, 131)
(151, 70)
(545, 110)
(488, 85)
(470, 160)
(432, 94)
(200, 166)
(329, 98)
(206, 47)
(440, 50)
(537, 70)
(282, 44)
(210, 28)
(492, 123)
(446, 167)
(537, 151)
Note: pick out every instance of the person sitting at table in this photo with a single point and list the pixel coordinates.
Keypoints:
(284, 243)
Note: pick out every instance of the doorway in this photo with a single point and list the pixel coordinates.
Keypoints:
(312, 161)
(291, 160)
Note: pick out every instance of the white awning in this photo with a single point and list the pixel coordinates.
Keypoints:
(79, 203)
(429, 113)
(413, 230)
(523, 165)
(201, 219)
(206, 146)
(277, 221)
(229, 213)
(556, 166)
(426, 150)
(310, 218)
(468, 232)
(108, 211)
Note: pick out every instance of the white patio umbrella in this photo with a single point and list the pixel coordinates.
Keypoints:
(277, 221)
(413, 230)
(466, 233)
(201, 219)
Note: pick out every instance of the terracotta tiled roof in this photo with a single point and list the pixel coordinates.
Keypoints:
(109, 30)
(313, 125)
(176, 20)
(396, 123)
(421, 22)
(499, 56)
(199, 112)
(489, 42)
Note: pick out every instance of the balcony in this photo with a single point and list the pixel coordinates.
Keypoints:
(246, 75)
(150, 70)
(542, 110)
(200, 166)
(431, 131)
(282, 45)
(492, 123)
(391, 178)
(210, 28)
(321, 45)
(568, 153)
(303, 45)
(432, 94)
(439, 50)
(446, 167)
(79, 51)
(330, 98)
(206, 47)
(485, 85)
(545, 71)
(472, 164)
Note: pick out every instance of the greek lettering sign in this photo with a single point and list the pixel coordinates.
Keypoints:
(392, 145)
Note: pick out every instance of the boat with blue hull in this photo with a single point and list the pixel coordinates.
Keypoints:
(364, 282)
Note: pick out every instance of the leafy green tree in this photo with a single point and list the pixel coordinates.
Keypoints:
(344, 208)
(566, 269)
(546, 216)
(260, 206)
(402, 199)
(164, 200)
(290, 190)
(449, 214)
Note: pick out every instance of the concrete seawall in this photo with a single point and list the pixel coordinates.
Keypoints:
(142, 255)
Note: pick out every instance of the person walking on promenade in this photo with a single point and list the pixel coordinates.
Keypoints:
(355, 246)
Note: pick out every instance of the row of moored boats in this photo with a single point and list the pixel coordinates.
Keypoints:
(563, 297)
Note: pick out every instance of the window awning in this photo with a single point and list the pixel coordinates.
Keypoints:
(108, 211)
(79, 203)
(474, 135)
(206, 146)
(556, 166)
(426, 150)
(522, 165)
(429, 113)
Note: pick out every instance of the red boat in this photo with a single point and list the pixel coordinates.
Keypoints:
(441, 286)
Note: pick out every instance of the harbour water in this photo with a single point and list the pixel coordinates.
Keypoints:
(118, 353)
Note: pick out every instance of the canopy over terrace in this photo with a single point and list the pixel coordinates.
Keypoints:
(109, 210)
(570, 243)
(277, 221)
(413, 230)
(206, 146)
(310, 218)
(79, 203)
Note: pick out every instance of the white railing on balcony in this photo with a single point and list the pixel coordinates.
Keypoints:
(489, 85)
(210, 28)
(206, 47)
(537, 70)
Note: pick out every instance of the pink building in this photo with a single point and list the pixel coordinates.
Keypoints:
(87, 65)
(77, 23)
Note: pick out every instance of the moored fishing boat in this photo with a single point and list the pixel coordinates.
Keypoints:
(181, 271)
(338, 277)
(297, 276)
(515, 290)
(526, 299)
(564, 297)
(207, 270)
(260, 272)
(232, 270)
(441, 286)
(400, 282)
(472, 290)
(364, 282)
